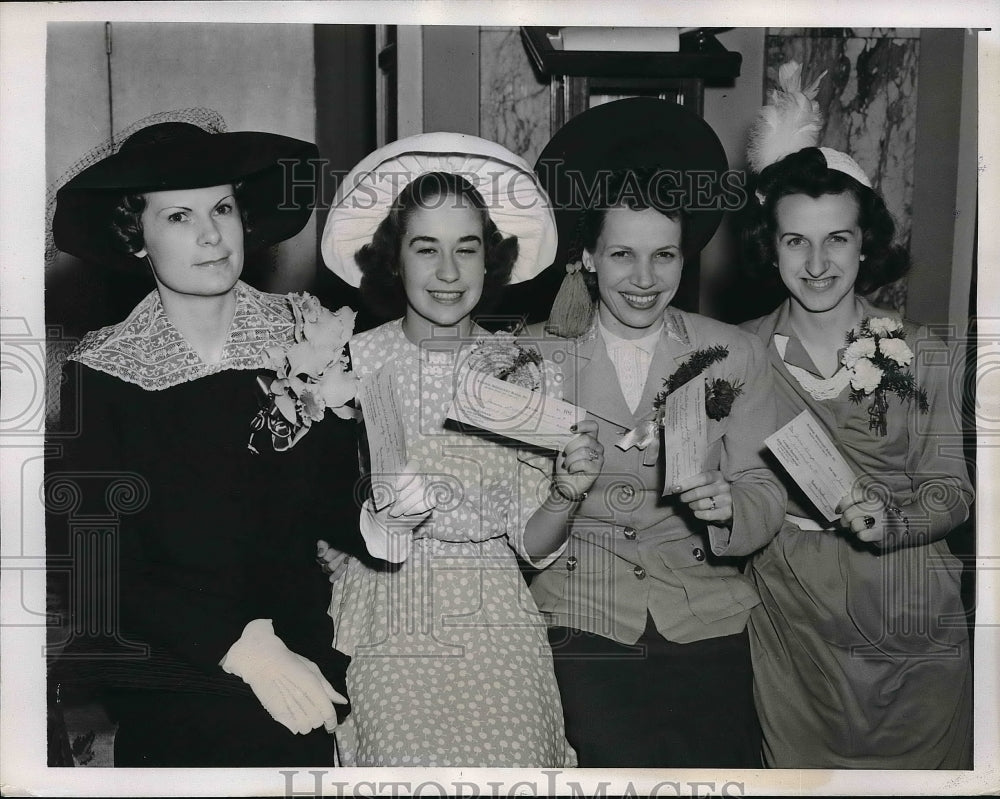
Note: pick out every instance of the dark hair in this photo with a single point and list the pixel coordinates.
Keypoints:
(806, 172)
(126, 218)
(381, 283)
(635, 189)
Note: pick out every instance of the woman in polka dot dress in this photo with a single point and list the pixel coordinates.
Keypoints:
(451, 665)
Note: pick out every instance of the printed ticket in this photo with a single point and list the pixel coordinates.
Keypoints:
(813, 462)
(384, 430)
(513, 411)
(685, 433)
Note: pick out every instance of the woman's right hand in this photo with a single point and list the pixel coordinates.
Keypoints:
(580, 462)
(388, 532)
(332, 561)
(411, 498)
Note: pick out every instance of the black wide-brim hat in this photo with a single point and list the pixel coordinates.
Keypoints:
(278, 174)
(636, 133)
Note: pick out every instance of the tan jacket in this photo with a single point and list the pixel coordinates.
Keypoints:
(630, 550)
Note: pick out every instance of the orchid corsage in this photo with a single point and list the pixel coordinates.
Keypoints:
(720, 394)
(312, 374)
(875, 358)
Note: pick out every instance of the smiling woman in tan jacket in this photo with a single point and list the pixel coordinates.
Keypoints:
(647, 603)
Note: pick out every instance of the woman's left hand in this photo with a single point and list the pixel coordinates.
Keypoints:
(708, 495)
(864, 515)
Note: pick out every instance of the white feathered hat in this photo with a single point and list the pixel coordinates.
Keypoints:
(517, 203)
(792, 121)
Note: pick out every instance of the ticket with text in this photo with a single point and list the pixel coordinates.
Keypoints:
(685, 433)
(383, 427)
(813, 462)
(513, 411)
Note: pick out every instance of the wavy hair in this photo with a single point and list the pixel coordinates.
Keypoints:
(381, 281)
(806, 172)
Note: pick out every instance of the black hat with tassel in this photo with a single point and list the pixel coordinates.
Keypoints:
(637, 133)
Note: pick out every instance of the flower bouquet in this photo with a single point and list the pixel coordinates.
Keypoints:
(501, 356)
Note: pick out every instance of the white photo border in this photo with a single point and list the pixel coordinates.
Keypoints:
(22, 200)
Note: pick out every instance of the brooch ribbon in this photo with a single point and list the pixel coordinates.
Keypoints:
(645, 437)
(719, 397)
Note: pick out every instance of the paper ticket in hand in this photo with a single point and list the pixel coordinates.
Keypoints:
(384, 429)
(513, 411)
(685, 433)
(813, 462)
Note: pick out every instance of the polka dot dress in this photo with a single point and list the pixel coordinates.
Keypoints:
(451, 664)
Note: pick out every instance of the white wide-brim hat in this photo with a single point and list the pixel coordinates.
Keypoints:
(516, 202)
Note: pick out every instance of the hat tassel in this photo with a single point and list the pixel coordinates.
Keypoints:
(573, 307)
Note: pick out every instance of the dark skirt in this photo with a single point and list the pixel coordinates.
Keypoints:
(205, 730)
(657, 704)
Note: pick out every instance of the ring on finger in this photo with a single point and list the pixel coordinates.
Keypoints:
(593, 455)
(713, 506)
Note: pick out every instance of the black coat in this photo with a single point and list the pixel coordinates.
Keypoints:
(178, 535)
(209, 535)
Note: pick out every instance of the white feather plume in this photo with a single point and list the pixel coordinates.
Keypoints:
(790, 121)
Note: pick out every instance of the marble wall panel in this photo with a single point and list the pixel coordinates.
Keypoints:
(513, 99)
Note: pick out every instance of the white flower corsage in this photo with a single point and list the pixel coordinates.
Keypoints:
(875, 357)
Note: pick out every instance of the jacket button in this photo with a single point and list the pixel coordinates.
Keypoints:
(699, 553)
(570, 563)
(629, 533)
(627, 492)
(639, 572)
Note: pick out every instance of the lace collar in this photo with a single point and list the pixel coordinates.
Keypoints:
(147, 350)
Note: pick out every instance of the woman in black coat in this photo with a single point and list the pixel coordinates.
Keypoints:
(205, 615)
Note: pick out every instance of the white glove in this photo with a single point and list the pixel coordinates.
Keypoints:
(290, 687)
(388, 532)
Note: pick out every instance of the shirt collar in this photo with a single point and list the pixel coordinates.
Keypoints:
(795, 353)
